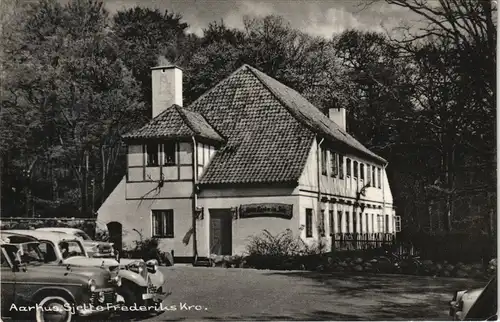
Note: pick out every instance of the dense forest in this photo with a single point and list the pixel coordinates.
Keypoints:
(76, 77)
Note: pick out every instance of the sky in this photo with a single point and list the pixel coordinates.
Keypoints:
(315, 17)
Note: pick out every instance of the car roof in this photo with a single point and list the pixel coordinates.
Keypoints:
(14, 238)
(60, 229)
(43, 235)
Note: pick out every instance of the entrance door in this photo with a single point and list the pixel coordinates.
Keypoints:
(221, 234)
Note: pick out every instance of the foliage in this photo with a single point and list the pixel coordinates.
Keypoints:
(282, 244)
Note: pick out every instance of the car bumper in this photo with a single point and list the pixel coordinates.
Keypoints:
(154, 297)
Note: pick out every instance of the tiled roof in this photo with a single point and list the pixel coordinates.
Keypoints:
(270, 129)
(174, 123)
(311, 116)
(265, 143)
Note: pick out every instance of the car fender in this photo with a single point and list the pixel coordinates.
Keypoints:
(132, 277)
(157, 278)
(51, 290)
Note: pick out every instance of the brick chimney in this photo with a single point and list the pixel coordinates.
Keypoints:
(337, 114)
(166, 82)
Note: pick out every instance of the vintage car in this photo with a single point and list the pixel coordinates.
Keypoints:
(34, 291)
(142, 282)
(476, 304)
(92, 247)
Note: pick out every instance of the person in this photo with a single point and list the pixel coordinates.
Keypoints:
(64, 249)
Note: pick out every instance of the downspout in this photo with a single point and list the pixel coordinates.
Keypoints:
(319, 170)
(194, 199)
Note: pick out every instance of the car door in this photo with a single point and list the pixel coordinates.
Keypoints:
(8, 282)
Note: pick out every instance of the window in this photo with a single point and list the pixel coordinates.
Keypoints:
(309, 222)
(152, 152)
(373, 223)
(369, 175)
(355, 170)
(354, 222)
(379, 181)
(348, 163)
(163, 223)
(367, 223)
(360, 223)
(48, 251)
(334, 164)
(339, 221)
(169, 153)
(387, 223)
(323, 161)
(341, 167)
(373, 177)
(5, 262)
(322, 224)
(362, 171)
(380, 224)
(71, 248)
(331, 223)
(347, 221)
(398, 224)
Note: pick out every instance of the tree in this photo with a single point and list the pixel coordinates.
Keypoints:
(144, 35)
(72, 97)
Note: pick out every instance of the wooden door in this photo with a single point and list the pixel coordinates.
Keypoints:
(221, 231)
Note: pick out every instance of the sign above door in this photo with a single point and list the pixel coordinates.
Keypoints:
(279, 210)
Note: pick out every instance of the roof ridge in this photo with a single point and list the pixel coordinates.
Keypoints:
(184, 118)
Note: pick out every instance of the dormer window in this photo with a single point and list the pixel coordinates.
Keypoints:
(169, 153)
(152, 155)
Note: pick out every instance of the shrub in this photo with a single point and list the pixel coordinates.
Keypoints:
(283, 244)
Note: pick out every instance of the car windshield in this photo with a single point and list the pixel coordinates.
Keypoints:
(83, 235)
(70, 248)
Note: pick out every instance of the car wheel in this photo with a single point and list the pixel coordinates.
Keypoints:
(53, 309)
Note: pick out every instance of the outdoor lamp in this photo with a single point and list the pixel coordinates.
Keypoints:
(199, 212)
(234, 212)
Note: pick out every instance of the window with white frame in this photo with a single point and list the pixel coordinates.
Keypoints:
(322, 224)
(169, 152)
(355, 169)
(362, 171)
(387, 227)
(339, 221)
(373, 177)
(348, 166)
(331, 222)
(334, 164)
(398, 224)
(373, 223)
(347, 222)
(324, 160)
(380, 224)
(152, 155)
(341, 166)
(379, 178)
(163, 223)
(309, 222)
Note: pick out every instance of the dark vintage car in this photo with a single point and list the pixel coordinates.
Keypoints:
(34, 291)
(142, 284)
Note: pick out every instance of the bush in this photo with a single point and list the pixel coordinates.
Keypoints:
(283, 251)
(147, 249)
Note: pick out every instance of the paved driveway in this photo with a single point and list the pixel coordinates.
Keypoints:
(247, 294)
